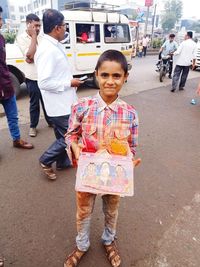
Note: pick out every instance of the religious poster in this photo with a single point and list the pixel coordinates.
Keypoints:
(104, 173)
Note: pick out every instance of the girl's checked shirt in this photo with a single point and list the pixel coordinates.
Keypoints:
(93, 122)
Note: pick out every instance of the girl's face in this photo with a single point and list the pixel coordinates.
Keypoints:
(111, 78)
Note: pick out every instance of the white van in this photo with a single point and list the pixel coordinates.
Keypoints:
(88, 34)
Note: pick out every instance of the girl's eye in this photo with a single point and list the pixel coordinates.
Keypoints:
(116, 76)
(104, 75)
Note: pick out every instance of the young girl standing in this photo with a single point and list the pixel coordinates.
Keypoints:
(93, 120)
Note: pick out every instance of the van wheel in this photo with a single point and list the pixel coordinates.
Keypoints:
(16, 84)
(95, 82)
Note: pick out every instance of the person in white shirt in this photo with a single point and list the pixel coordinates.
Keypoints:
(145, 42)
(186, 54)
(28, 42)
(57, 86)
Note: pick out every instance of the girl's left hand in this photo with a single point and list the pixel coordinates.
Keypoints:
(136, 162)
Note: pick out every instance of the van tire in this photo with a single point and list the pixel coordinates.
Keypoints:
(16, 84)
(95, 82)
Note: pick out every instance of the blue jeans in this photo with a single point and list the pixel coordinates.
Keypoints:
(85, 205)
(56, 152)
(180, 72)
(10, 107)
(35, 99)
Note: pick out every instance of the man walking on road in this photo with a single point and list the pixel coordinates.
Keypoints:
(145, 42)
(7, 96)
(28, 42)
(57, 86)
(186, 56)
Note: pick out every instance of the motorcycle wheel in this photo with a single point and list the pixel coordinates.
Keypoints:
(162, 74)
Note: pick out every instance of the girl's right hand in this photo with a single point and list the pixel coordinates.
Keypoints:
(77, 148)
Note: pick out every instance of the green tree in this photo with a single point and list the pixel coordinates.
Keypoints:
(168, 22)
(175, 7)
(196, 26)
(172, 13)
(134, 15)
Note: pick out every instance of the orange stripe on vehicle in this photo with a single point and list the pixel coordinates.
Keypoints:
(19, 61)
(89, 54)
(127, 53)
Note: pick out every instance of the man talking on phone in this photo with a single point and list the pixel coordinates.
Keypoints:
(28, 42)
(58, 88)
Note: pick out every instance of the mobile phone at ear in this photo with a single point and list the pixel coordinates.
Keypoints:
(83, 78)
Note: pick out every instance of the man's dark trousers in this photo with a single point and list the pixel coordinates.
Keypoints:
(182, 73)
(56, 152)
(35, 99)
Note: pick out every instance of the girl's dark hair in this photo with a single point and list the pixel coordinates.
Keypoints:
(51, 19)
(113, 55)
(1, 9)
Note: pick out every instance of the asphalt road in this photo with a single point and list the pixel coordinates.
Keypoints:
(158, 227)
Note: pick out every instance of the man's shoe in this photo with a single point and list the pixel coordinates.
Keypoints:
(32, 132)
(22, 144)
(48, 171)
(172, 90)
(170, 76)
(181, 88)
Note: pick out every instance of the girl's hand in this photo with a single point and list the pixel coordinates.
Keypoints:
(77, 148)
(136, 162)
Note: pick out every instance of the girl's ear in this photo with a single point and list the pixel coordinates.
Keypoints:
(126, 77)
(96, 74)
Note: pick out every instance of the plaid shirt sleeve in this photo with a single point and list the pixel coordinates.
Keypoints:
(133, 141)
(74, 129)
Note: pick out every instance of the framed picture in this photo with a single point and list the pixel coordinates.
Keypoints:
(105, 174)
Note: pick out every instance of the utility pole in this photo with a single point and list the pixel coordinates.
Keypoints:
(153, 21)
(146, 22)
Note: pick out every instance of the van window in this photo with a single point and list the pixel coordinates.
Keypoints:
(116, 33)
(66, 39)
(87, 33)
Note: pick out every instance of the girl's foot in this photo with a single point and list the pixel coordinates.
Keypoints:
(74, 258)
(113, 254)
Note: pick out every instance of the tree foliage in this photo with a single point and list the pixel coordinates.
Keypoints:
(172, 13)
(196, 26)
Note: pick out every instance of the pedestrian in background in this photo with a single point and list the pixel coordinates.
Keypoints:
(28, 42)
(140, 49)
(7, 96)
(186, 56)
(145, 42)
(58, 88)
(106, 111)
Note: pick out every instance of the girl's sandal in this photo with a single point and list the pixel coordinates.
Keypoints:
(74, 258)
(112, 254)
(1, 262)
